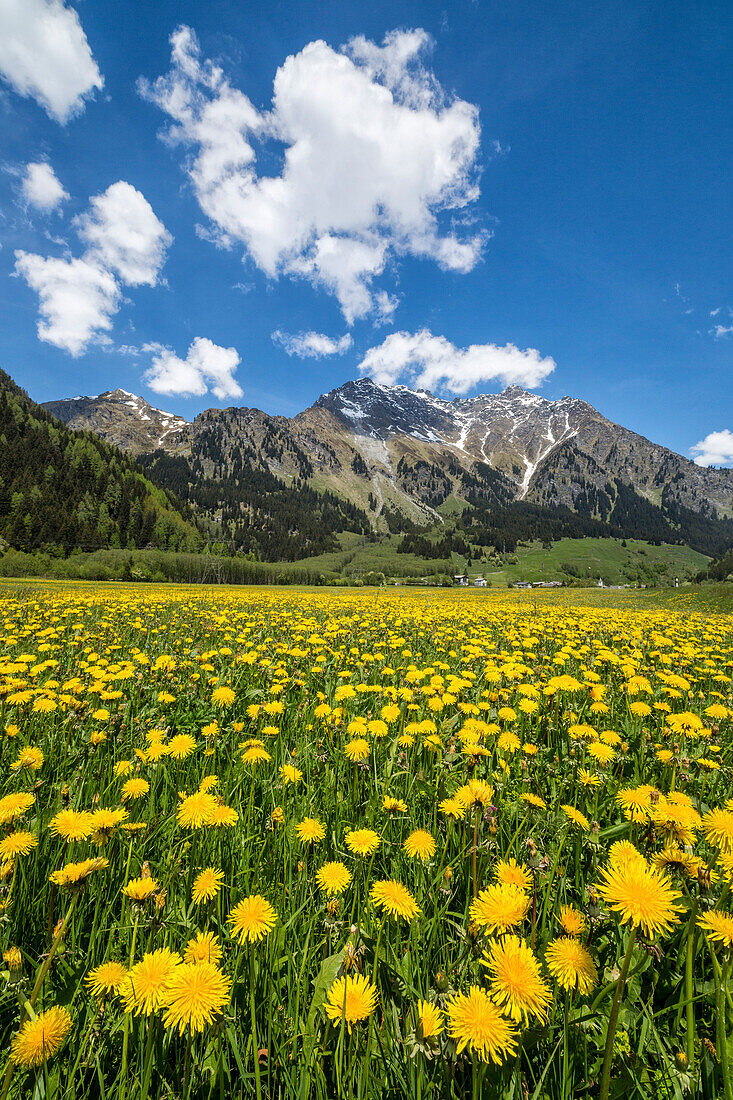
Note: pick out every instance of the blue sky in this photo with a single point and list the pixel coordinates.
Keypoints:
(432, 184)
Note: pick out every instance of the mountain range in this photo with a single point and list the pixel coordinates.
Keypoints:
(398, 455)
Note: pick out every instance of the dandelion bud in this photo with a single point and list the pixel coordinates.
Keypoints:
(441, 981)
(448, 874)
(681, 1059)
(145, 871)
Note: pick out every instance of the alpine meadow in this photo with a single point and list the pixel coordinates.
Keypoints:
(297, 845)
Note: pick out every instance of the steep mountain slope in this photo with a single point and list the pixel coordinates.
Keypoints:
(246, 473)
(521, 434)
(61, 490)
(399, 454)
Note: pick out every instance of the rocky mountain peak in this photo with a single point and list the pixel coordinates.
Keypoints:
(122, 418)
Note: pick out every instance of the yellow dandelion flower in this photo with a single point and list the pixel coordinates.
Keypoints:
(420, 844)
(203, 947)
(140, 890)
(252, 919)
(196, 994)
(576, 817)
(717, 826)
(72, 824)
(207, 885)
(640, 895)
(572, 921)
(515, 981)
(535, 801)
(107, 978)
(144, 989)
(333, 878)
(474, 1021)
(223, 696)
(310, 831)
(395, 899)
(499, 908)
(15, 805)
(350, 999)
(135, 788)
(356, 750)
(255, 755)
(719, 927)
(181, 746)
(196, 810)
(39, 1039)
(74, 875)
(29, 757)
(362, 842)
(223, 817)
(510, 873)
(571, 965)
(430, 1020)
(17, 844)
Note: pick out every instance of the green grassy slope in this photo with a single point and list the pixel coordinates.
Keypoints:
(607, 558)
(587, 558)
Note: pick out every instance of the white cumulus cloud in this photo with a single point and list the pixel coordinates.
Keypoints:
(429, 362)
(716, 449)
(377, 158)
(311, 345)
(44, 53)
(206, 366)
(42, 188)
(78, 296)
(123, 233)
(77, 299)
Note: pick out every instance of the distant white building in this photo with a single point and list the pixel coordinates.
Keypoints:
(479, 582)
(460, 579)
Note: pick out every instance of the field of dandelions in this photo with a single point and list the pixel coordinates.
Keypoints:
(295, 845)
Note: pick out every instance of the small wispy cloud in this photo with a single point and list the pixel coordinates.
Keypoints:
(311, 345)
